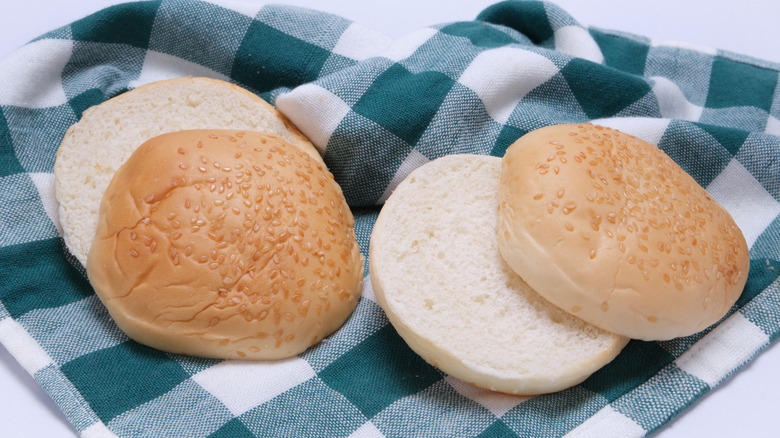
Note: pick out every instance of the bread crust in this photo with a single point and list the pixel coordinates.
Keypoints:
(225, 244)
(609, 228)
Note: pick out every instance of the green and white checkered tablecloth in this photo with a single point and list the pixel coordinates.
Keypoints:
(378, 108)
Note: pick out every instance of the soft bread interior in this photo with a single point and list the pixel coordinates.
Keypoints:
(438, 274)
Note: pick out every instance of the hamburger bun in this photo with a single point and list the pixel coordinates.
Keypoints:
(94, 148)
(437, 273)
(607, 227)
(225, 244)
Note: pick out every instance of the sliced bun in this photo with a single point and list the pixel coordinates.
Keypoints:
(606, 226)
(438, 275)
(225, 244)
(95, 147)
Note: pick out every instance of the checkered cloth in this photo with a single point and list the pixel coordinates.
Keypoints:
(377, 108)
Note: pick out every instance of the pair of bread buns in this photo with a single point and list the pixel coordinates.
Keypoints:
(437, 272)
(201, 235)
(526, 274)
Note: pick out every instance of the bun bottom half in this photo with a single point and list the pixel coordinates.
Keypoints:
(437, 272)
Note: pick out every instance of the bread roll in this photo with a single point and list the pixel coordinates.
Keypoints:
(438, 275)
(94, 148)
(606, 226)
(225, 244)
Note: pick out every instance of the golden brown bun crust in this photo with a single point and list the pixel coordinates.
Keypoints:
(225, 244)
(609, 228)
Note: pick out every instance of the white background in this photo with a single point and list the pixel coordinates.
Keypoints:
(745, 405)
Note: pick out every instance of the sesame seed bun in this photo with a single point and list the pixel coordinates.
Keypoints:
(225, 244)
(607, 227)
(437, 273)
(94, 147)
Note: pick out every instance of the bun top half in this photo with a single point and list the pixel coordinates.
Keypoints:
(105, 136)
(225, 244)
(609, 228)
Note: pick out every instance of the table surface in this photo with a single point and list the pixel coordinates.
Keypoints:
(744, 405)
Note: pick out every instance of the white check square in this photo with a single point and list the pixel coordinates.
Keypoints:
(607, 422)
(242, 385)
(722, 350)
(751, 206)
(495, 402)
(32, 75)
(160, 66)
(359, 42)
(502, 77)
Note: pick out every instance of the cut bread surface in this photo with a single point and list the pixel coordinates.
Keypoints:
(438, 274)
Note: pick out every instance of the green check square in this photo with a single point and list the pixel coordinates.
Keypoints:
(734, 83)
(65, 333)
(602, 91)
(403, 102)
(233, 429)
(354, 141)
(528, 18)
(763, 272)
(83, 101)
(497, 430)
(379, 371)
(633, 366)
(730, 138)
(120, 378)
(509, 134)
(268, 59)
(36, 275)
(9, 164)
(129, 24)
(622, 53)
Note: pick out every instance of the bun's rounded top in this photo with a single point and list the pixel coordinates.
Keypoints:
(225, 244)
(609, 228)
